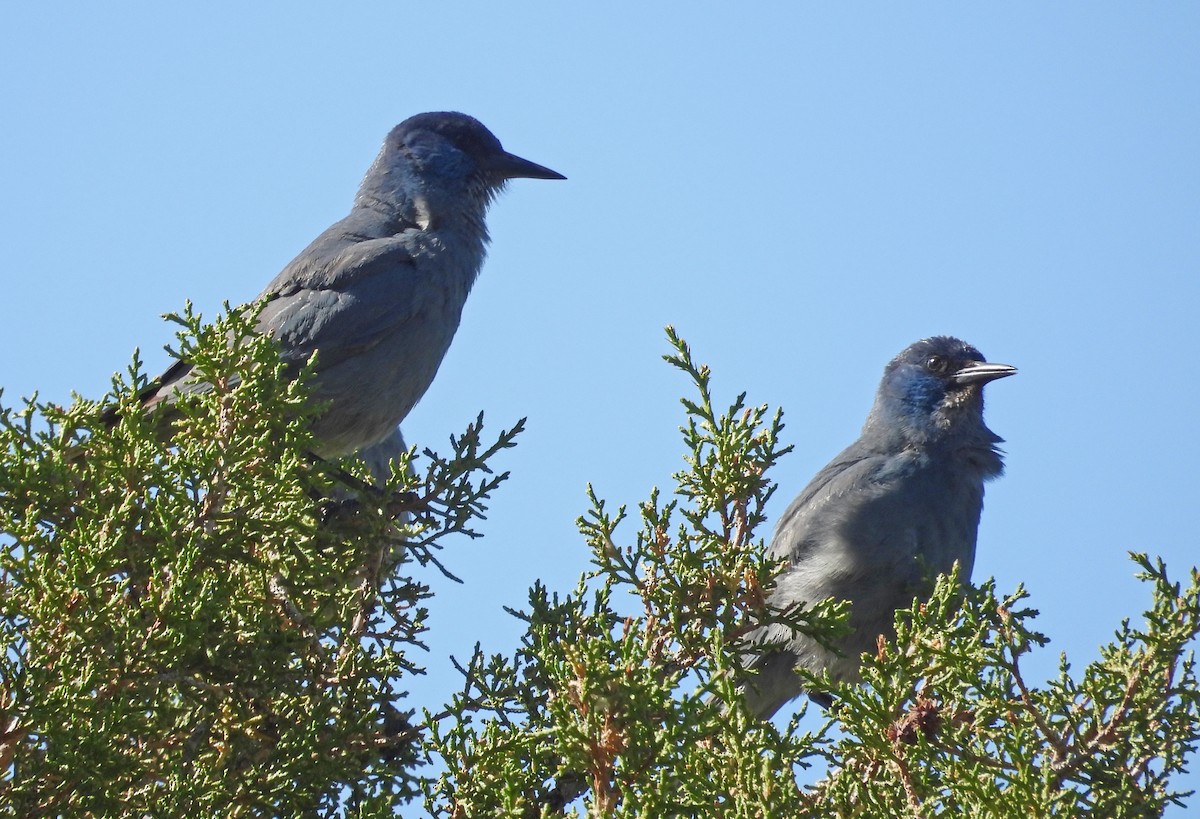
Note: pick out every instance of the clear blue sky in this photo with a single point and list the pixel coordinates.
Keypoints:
(803, 190)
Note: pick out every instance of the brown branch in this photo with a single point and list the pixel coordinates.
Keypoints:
(1061, 750)
(368, 591)
(1100, 735)
(910, 789)
(277, 586)
(11, 736)
(740, 524)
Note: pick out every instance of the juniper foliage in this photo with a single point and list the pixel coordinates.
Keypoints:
(615, 703)
(211, 621)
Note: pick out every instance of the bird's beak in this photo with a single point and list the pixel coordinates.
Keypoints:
(981, 372)
(511, 166)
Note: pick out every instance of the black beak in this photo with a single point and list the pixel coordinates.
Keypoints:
(981, 372)
(511, 166)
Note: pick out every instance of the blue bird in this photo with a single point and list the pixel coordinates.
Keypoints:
(899, 505)
(382, 457)
(379, 294)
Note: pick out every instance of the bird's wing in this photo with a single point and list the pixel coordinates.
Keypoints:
(343, 302)
(339, 296)
(848, 473)
(858, 504)
(175, 378)
(345, 252)
(840, 541)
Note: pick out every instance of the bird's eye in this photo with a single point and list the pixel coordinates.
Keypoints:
(938, 364)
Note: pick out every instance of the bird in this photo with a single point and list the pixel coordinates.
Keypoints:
(381, 457)
(379, 294)
(896, 507)
(343, 497)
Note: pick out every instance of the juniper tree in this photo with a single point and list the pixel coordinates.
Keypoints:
(212, 622)
(623, 698)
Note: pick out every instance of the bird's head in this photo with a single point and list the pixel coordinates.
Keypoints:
(443, 162)
(934, 388)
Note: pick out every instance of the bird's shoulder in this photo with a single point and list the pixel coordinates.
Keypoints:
(858, 469)
(344, 255)
(352, 289)
(857, 476)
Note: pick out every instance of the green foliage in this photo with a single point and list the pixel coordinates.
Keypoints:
(201, 619)
(964, 733)
(198, 627)
(625, 706)
(612, 706)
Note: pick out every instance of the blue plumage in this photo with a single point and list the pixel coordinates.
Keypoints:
(379, 294)
(899, 505)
